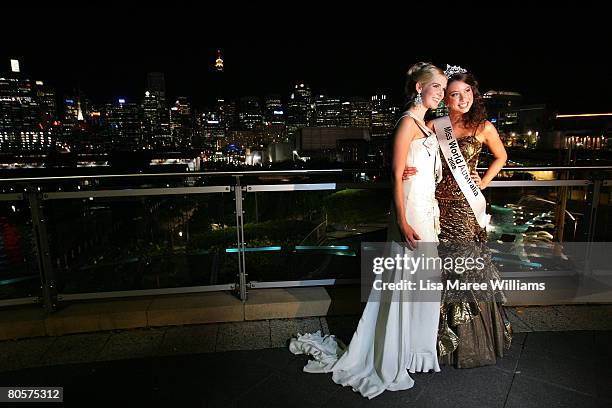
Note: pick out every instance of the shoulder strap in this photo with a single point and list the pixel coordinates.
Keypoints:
(402, 117)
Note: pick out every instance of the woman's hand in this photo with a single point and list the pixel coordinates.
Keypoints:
(476, 177)
(408, 172)
(410, 235)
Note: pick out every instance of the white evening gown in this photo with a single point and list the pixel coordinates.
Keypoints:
(398, 336)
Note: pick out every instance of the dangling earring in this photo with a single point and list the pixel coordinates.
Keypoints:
(418, 100)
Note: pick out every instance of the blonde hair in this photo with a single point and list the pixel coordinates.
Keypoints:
(423, 72)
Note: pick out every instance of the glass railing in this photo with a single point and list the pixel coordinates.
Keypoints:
(19, 272)
(81, 237)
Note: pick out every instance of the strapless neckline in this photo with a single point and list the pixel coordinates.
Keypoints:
(468, 137)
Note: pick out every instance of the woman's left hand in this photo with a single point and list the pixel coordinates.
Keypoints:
(476, 177)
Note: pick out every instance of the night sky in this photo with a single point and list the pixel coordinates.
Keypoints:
(107, 54)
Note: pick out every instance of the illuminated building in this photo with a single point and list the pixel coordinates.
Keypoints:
(124, 125)
(21, 126)
(328, 112)
(383, 116)
(360, 112)
(249, 112)
(299, 108)
(219, 62)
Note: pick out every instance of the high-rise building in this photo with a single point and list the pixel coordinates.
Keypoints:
(181, 123)
(274, 127)
(152, 112)
(70, 132)
(274, 112)
(345, 114)
(72, 110)
(211, 131)
(21, 127)
(48, 105)
(328, 112)
(227, 114)
(219, 62)
(360, 112)
(249, 112)
(383, 116)
(124, 126)
(299, 108)
(156, 85)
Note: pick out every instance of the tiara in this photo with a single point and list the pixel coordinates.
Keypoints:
(453, 69)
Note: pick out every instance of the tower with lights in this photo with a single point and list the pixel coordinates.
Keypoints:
(219, 62)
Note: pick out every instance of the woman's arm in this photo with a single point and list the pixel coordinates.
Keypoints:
(496, 147)
(401, 143)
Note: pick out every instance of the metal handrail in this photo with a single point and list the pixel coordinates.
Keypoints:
(276, 172)
(35, 199)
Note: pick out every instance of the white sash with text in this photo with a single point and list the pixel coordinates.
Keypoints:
(460, 170)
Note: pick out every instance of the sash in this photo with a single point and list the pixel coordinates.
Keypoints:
(460, 170)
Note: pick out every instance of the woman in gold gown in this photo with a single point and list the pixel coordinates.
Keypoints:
(474, 330)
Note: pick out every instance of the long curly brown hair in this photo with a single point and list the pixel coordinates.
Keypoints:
(477, 114)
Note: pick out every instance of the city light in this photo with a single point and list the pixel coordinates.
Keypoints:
(15, 65)
(580, 115)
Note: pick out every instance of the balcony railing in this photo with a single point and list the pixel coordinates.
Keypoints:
(85, 237)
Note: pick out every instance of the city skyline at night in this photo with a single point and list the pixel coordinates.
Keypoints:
(108, 55)
(76, 84)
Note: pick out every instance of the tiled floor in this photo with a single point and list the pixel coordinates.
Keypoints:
(552, 362)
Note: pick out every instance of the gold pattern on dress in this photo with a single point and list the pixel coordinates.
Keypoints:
(467, 317)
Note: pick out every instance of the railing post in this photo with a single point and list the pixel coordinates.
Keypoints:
(561, 207)
(242, 284)
(43, 253)
(593, 200)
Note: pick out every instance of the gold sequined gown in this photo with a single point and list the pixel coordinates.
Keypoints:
(474, 330)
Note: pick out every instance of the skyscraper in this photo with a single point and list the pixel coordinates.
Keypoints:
(383, 115)
(219, 62)
(151, 121)
(72, 111)
(249, 112)
(274, 112)
(156, 85)
(360, 112)
(21, 127)
(48, 105)
(227, 113)
(181, 123)
(124, 125)
(328, 111)
(211, 131)
(274, 127)
(299, 108)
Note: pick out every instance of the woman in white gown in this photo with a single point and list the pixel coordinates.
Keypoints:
(397, 334)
